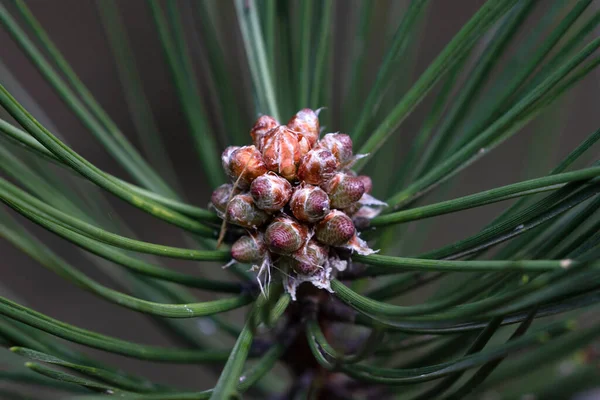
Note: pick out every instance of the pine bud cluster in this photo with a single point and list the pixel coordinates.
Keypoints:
(298, 199)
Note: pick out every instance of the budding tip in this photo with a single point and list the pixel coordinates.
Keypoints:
(291, 168)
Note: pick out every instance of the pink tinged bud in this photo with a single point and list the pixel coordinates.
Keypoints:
(344, 190)
(285, 236)
(306, 125)
(249, 249)
(270, 192)
(246, 162)
(309, 203)
(281, 152)
(317, 166)
(260, 129)
(340, 145)
(310, 258)
(335, 229)
(221, 196)
(304, 146)
(242, 211)
(367, 183)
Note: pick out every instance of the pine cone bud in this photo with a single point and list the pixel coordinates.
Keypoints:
(367, 183)
(304, 146)
(261, 127)
(309, 203)
(270, 192)
(306, 125)
(281, 152)
(335, 229)
(310, 257)
(249, 249)
(340, 145)
(317, 166)
(344, 190)
(242, 211)
(285, 236)
(221, 195)
(246, 160)
(289, 171)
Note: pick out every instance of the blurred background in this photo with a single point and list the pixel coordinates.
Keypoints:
(76, 29)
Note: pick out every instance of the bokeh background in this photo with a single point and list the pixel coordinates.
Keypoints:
(75, 27)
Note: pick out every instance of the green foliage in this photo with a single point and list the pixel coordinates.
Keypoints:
(437, 321)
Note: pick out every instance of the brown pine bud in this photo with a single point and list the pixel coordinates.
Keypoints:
(310, 257)
(367, 183)
(281, 152)
(270, 192)
(309, 203)
(221, 195)
(344, 190)
(250, 248)
(306, 125)
(317, 166)
(340, 145)
(242, 211)
(304, 146)
(335, 229)
(285, 235)
(246, 162)
(260, 129)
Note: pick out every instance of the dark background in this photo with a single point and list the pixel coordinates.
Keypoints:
(76, 30)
